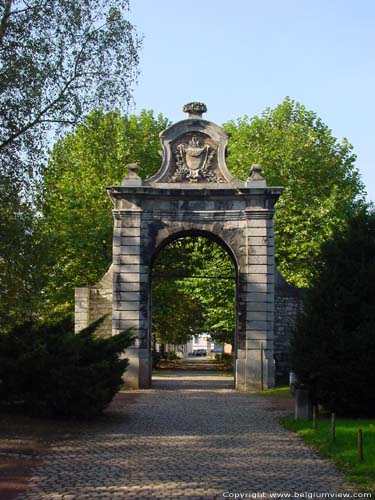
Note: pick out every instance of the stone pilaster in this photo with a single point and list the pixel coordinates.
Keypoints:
(82, 308)
(255, 358)
(129, 277)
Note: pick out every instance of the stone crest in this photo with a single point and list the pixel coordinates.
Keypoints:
(194, 160)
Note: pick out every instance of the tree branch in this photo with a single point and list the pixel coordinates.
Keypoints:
(65, 122)
(38, 118)
(4, 19)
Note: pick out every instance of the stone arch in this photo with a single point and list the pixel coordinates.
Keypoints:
(179, 234)
(171, 235)
(194, 192)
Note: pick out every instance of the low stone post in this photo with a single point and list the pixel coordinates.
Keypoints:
(303, 406)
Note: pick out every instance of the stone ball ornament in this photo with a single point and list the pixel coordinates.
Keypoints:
(195, 109)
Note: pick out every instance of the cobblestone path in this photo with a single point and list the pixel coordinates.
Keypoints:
(180, 440)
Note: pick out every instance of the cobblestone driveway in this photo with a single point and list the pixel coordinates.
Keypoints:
(179, 440)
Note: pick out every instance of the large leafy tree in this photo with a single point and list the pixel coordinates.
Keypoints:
(176, 315)
(333, 348)
(77, 217)
(58, 60)
(322, 184)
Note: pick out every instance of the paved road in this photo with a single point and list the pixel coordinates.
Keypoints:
(190, 437)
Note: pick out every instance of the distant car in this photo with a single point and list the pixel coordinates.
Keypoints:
(218, 350)
(200, 352)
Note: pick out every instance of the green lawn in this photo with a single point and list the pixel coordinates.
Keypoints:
(344, 451)
(276, 392)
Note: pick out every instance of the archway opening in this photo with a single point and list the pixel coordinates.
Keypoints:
(193, 332)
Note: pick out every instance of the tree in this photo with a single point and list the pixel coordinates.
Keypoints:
(333, 348)
(176, 316)
(58, 60)
(77, 220)
(321, 183)
(193, 291)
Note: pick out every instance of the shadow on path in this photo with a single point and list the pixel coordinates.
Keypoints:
(190, 437)
(189, 380)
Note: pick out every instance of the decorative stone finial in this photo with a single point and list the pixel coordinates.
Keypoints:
(195, 109)
(132, 171)
(255, 178)
(254, 174)
(132, 178)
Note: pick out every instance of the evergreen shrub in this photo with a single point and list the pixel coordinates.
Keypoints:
(49, 370)
(333, 347)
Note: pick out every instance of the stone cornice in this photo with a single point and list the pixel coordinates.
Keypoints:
(205, 192)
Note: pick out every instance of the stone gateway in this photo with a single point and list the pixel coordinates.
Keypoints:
(193, 193)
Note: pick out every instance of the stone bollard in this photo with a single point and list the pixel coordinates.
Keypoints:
(303, 406)
(292, 383)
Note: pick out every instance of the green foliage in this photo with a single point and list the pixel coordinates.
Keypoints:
(276, 392)
(226, 359)
(156, 358)
(322, 185)
(185, 301)
(59, 60)
(171, 356)
(333, 348)
(176, 317)
(20, 258)
(344, 451)
(77, 221)
(52, 371)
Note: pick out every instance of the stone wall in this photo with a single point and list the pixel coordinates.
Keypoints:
(288, 305)
(93, 302)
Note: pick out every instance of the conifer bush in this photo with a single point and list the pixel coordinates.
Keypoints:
(49, 370)
(333, 347)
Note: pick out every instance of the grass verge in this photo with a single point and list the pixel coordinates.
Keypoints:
(344, 452)
(276, 392)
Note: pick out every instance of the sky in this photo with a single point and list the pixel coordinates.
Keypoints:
(241, 56)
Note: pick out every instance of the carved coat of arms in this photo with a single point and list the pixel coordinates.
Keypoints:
(194, 162)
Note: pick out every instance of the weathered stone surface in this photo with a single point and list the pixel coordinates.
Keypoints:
(257, 325)
(257, 232)
(126, 295)
(259, 297)
(252, 307)
(255, 278)
(91, 303)
(127, 259)
(303, 405)
(257, 287)
(288, 305)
